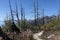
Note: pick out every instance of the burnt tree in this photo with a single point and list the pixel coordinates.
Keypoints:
(13, 27)
(17, 14)
(35, 12)
(22, 16)
(43, 16)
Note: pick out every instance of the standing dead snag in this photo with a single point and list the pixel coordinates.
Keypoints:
(36, 12)
(22, 15)
(17, 14)
(11, 11)
(13, 28)
(43, 15)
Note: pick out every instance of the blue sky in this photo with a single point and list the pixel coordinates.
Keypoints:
(50, 7)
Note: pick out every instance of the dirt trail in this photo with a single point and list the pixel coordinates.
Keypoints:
(36, 35)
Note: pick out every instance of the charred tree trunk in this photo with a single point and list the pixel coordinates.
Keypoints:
(35, 12)
(22, 15)
(17, 14)
(11, 11)
(43, 16)
(13, 27)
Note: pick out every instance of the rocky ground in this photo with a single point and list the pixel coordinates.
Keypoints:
(29, 35)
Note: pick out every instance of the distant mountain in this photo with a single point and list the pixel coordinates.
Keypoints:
(40, 20)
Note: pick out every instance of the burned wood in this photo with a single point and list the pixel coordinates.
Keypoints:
(11, 11)
(13, 26)
(17, 14)
(43, 16)
(22, 15)
(35, 12)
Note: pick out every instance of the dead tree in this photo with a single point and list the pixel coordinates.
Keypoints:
(22, 15)
(35, 12)
(12, 15)
(43, 16)
(11, 11)
(13, 27)
(22, 12)
(17, 14)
